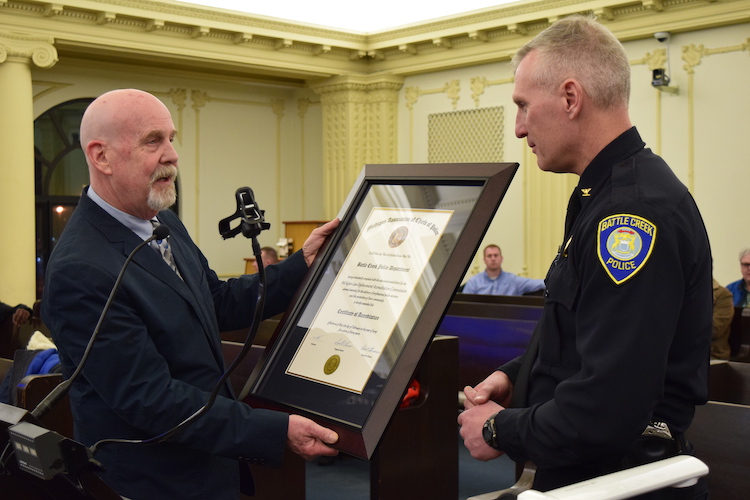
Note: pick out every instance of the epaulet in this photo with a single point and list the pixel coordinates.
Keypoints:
(624, 181)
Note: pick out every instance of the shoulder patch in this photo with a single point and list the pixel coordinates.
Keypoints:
(624, 244)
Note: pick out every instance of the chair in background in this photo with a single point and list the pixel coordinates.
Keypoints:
(8, 338)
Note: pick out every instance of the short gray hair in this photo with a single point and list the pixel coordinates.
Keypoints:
(579, 47)
(744, 252)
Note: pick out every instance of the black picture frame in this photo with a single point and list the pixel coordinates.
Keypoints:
(472, 193)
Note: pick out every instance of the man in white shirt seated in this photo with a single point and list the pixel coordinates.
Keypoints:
(493, 281)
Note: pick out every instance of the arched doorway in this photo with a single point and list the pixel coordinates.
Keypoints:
(61, 173)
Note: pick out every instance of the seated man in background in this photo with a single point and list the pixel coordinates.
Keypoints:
(268, 256)
(739, 288)
(493, 281)
(21, 313)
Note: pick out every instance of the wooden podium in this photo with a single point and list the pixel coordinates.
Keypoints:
(297, 231)
(417, 456)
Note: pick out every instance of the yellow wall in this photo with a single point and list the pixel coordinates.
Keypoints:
(701, 132)
(231, 135)
(248, 97)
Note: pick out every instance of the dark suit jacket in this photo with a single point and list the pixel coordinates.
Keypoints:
(158, 356)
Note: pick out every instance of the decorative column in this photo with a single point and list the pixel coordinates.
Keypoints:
(359, 127)
(17, 208)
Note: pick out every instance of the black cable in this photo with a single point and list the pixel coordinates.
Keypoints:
(3, 458)
(58, 392)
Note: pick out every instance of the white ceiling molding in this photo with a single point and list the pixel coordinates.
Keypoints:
(186, 37)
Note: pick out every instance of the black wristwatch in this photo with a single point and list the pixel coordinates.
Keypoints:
(489, 432)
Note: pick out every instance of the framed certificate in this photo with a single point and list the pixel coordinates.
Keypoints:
(347, 348)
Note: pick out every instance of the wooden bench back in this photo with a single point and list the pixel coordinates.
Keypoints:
(491, 330)
(33, 389)
(739, 335)
(720, 431)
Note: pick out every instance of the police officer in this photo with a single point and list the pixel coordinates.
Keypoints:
(620, 356)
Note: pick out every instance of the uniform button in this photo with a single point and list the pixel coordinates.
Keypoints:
(546, 293)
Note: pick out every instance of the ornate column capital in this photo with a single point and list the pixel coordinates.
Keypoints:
(36, 48)
(361, 83)
(359, 127)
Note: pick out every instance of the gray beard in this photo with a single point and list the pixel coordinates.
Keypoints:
(161, 200)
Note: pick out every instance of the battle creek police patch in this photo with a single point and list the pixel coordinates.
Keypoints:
(624, 245)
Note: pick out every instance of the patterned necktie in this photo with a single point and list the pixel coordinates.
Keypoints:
(165, 249)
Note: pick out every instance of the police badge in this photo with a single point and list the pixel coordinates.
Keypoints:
(624, 245)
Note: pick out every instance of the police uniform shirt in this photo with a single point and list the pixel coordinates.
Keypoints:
(625, 333)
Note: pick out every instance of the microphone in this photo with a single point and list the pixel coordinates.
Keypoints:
(160, 232)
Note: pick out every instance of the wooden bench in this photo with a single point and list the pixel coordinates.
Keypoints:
(729, 382)
(265, 332)
(5, 365)
(491, 330)
(739, 335)
(33, 389)
(417, 454)
(720, 431)
(242, 373)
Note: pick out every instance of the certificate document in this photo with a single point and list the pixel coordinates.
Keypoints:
(363, 305)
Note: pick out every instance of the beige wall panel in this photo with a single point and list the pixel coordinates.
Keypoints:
(528, 221)
(239, 147)
(301, 176)
(311, 191)
(434, 93)
(722, 128)
(699, 131)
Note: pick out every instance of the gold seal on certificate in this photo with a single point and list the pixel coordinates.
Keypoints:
(332, 364)
(398, 236)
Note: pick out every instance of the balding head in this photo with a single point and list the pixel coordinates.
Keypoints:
(106, 117)
(127, 136)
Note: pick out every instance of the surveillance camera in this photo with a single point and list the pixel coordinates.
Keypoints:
(660, 78)
(662, 36)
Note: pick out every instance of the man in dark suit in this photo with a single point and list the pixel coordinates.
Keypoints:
(158, 355)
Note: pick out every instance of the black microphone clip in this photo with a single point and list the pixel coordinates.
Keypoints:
(161, 232)
(252, 221)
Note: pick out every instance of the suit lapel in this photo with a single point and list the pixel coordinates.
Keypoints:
(189, 288)
(192, 287)
(201, 299)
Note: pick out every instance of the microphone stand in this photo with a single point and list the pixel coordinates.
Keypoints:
(251, 224)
